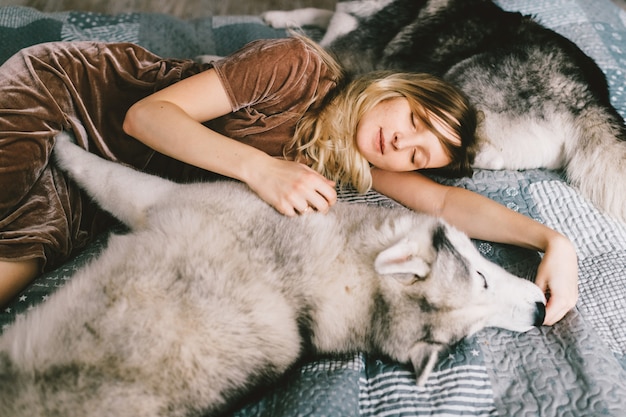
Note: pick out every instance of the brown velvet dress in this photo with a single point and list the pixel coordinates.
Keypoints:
(87, 87)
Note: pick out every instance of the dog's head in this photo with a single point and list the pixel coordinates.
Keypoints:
(436, 291)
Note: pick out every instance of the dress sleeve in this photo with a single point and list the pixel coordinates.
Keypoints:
(273, 76)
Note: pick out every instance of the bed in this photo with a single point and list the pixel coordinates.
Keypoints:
(575, 368)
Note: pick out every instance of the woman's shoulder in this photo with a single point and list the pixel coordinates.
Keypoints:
(272, 68)
(273, 53)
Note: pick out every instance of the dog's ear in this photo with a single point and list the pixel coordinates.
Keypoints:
(424, 358)
(403, 260)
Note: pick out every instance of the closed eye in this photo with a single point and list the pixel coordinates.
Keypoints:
(485, 285)
(419, 157)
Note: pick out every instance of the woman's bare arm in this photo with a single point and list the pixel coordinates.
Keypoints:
(482, 218)
(170, 121)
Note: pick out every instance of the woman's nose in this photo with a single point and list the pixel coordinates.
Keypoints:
(403, 141)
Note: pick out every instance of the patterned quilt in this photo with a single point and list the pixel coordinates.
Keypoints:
(575, 368)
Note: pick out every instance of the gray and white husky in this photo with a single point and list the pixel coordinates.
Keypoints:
(212, 293)
(545, 104)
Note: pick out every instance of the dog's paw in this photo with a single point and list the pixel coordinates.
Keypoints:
(207, 59)
(67, 154)
(64, 137)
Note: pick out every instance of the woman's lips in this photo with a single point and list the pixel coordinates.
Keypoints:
(381, 141)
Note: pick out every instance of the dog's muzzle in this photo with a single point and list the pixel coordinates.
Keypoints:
(540, 314)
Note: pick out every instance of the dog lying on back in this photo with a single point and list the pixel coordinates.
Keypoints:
(544, 102)
(212, 293)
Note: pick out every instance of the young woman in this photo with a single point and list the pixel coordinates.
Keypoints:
(278, 115)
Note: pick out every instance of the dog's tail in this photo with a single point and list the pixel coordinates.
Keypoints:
(596, 160)
(122, 191)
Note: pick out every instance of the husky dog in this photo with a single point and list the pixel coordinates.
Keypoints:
(543, 102)
(212, 293)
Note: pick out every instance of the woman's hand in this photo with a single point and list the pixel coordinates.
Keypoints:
(558, 277)
(292, 188)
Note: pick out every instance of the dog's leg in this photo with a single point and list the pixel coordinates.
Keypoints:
(120, 190)
(336, 23)
(309, 16)
(340, 24)
(589, 147)
(596, 163)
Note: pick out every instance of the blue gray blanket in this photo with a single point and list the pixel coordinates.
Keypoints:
(575, 368)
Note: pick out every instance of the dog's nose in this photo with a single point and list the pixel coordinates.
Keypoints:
(540, 314)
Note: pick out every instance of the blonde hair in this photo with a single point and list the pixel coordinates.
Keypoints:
(325, 137)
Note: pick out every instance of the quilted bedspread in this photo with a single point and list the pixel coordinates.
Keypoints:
(575, 368)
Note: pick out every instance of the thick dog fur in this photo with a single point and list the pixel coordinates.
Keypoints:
(212, 292)
(544, 103)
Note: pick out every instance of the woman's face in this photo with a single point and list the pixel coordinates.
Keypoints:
(392, 138)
